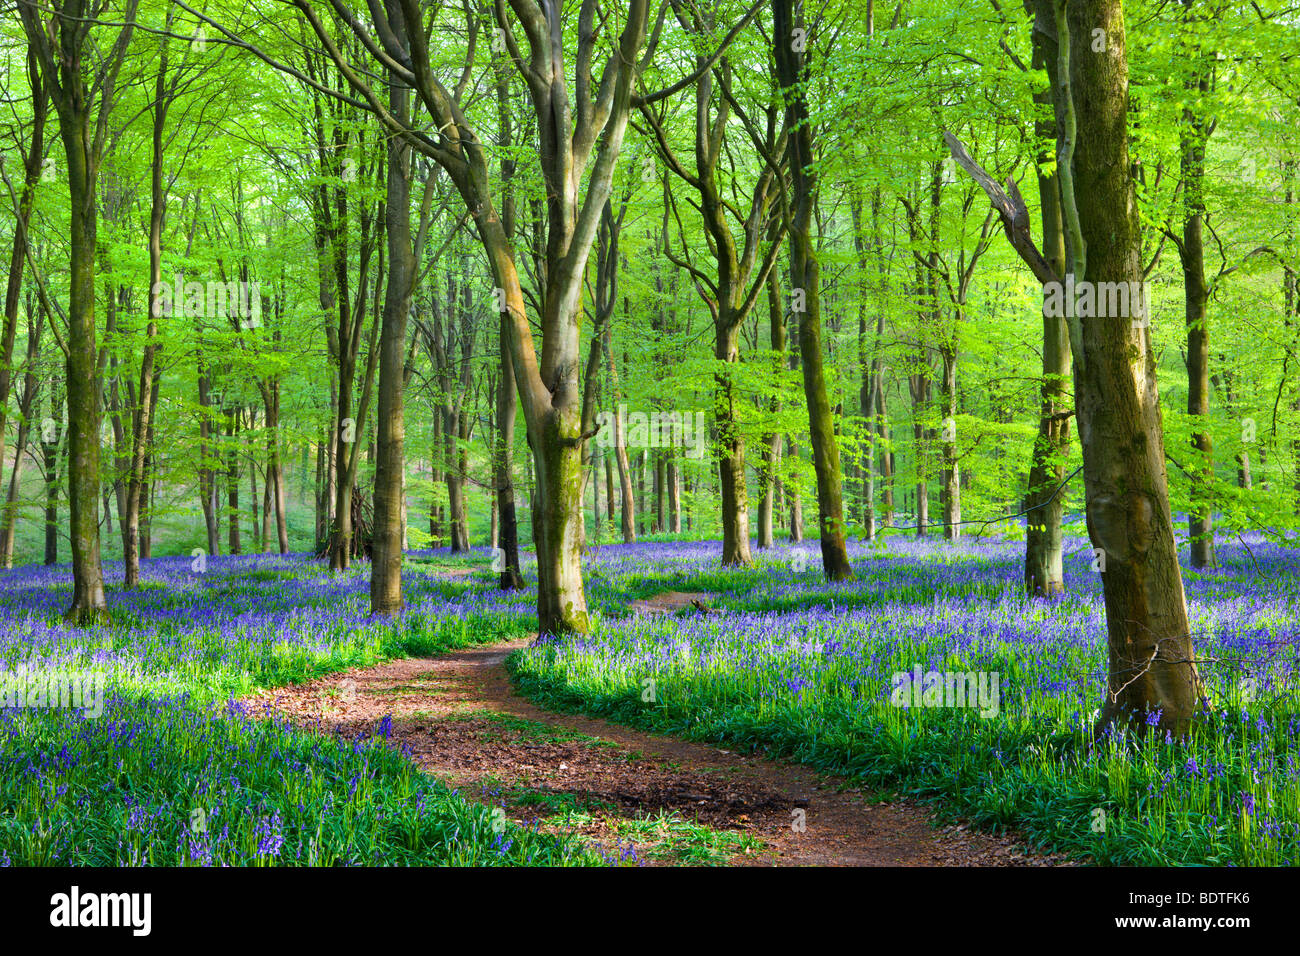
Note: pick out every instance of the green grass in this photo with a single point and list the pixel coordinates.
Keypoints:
(1227, 795)
(167, 777)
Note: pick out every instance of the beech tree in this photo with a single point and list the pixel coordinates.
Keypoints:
(1152, 668)
(80, 59)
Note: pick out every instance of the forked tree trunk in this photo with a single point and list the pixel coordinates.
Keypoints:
(81, 85)
(568, 138)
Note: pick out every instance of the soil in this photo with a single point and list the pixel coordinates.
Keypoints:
(460, 720)
(670, 602)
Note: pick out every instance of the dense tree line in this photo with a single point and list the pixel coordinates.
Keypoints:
(286, 275)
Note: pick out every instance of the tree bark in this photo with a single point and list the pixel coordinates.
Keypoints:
(51, 453)
(32, 159)
(1044, 502)
(31, 387)
(627, 503)
(233, 428)
(386, 557)
(951, 467)
(142, 423)
(512, 578)
(89, 604)
(1196, 295)
(772, 442)
(731, 453)
(805, 274)
(1151, 660)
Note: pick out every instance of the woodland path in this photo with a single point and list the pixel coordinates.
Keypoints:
(461, 720)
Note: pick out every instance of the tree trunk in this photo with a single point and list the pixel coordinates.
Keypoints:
(276, 466)
(89, 605)
(51, 453)
(872, 365)
(951, 467)
(148, 481)
(455, 492)
(674, 497)
(386, 556)
(1044, 502)
(731, 453)
(1151, 660)
(207, 455)
(661, 490)
(791, 490)
(232, 482)
(18, 256)
(26, 404)
(626, 501)
(135, 487)
(1196, 295)
(609, 490)
(772, 443)
(512, 578)
(805, 274)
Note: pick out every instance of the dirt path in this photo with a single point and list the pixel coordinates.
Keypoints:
(674, 800)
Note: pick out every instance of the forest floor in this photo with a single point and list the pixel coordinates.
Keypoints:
(630, 795)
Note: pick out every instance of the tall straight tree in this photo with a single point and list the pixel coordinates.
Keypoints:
(33, 155)
(507, 399)
(1194, 134)
(789, 37)
(390, 420)
(1044, 504)
(80, 60)
(1152, 672)
(166, 84)
(1152, 668)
